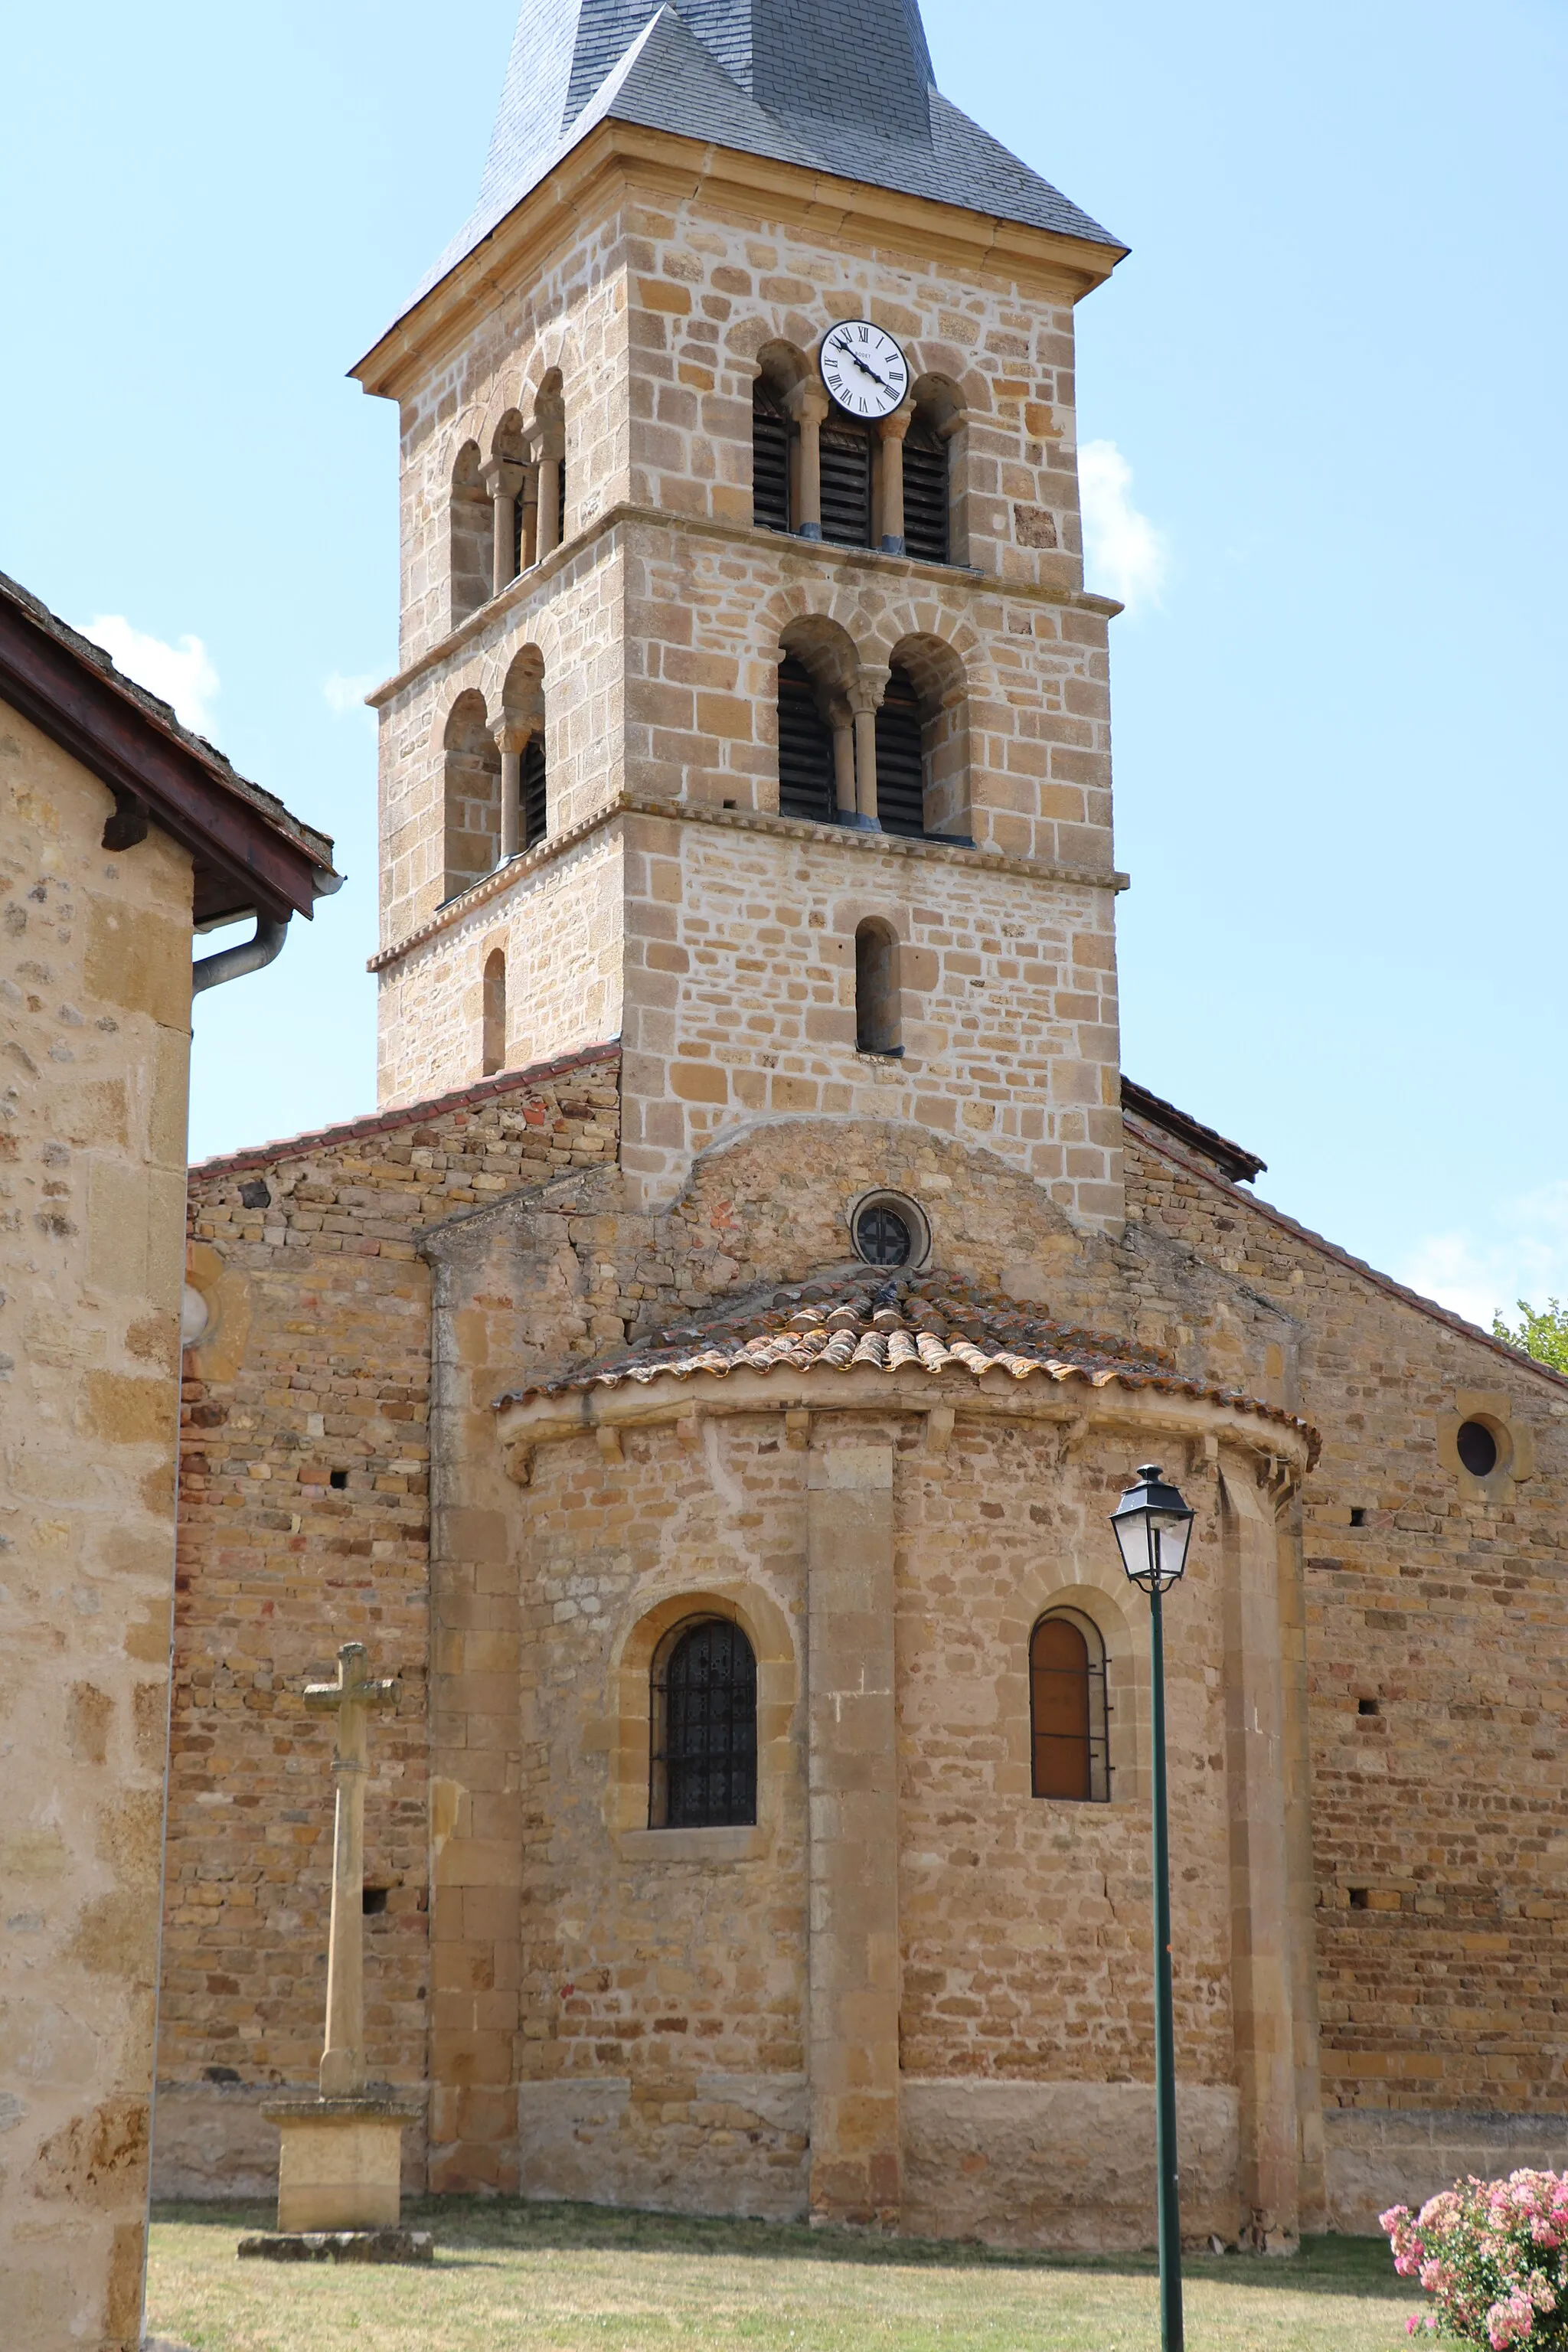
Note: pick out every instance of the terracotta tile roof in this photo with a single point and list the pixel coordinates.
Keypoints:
(414, 1114)
(868, 1320)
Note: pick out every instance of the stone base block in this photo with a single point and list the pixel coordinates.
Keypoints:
(1379, 2156)
(340, 2164)
(340, 2246)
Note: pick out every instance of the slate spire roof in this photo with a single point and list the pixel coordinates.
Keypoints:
(843, 87)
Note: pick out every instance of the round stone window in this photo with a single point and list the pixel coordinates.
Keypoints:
(888, 1230)
(1478, 1448)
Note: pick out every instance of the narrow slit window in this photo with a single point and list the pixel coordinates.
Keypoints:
(494, 1050)
(1068, 1715)
(703, 1762)
(877, 990)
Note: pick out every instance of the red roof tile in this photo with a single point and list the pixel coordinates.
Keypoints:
(873, 1321)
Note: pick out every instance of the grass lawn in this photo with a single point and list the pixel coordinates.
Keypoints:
(578, 2278)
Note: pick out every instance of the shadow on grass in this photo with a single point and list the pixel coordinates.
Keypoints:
(473, 2225)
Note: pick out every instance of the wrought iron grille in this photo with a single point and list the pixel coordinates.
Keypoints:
(704, 1760)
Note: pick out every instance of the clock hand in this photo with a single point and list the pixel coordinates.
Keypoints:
(850, 352)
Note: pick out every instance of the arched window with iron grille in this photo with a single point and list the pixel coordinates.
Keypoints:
(1067, 1717)
(703, 1760)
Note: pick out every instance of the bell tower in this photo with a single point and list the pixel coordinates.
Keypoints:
(750, 705)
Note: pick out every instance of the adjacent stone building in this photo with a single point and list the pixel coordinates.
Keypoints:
(119, 833)
(706, 1379)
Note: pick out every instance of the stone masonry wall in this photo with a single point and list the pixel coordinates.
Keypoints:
(304, 1523)
(95, 952)
(1438, 1666)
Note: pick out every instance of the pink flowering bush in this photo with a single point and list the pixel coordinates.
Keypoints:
(1493, 2255)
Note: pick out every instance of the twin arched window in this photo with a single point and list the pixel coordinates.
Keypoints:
(1069, 1741)
(704, 1759)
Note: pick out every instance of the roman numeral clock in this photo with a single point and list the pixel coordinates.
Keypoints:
(864, 369)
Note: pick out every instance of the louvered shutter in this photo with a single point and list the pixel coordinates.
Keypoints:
(901, 764)
(806, 749)
(925, 496)
(845, 483)
(535, 797)
(770, 463)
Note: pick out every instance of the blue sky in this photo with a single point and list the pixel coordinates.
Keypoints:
(1328, 385)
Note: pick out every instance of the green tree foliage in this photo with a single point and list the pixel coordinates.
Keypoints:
(1543, 1335)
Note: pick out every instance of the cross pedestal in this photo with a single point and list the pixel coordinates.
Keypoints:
(340, 2164)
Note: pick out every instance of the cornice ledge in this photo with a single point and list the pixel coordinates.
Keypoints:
(875, 845)
(524, 1425)
(527, 584)
(788, 828)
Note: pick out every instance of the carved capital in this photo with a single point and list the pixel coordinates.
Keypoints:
(504, 477)
(894, 427)
(808, 403)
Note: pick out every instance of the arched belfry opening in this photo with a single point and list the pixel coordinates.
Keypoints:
(471, 535)
(782, 374)
(473, 795)
(548, 439)
(934, 446)
(525, 795)
(922, 744)
(817, 672)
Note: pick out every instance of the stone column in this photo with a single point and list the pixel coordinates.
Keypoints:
(852, 1794)
(549, 526)
(892, 430)
(843, 760)
(530, 517)
(809, 406)
(503, 479)
(865, 700)
(511, 737)
(1261, 1942)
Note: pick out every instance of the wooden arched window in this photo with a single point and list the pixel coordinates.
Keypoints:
(1067, 1711)
(703, 1762)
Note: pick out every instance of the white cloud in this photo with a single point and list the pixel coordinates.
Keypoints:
(345, 696)
(1124, 554)
(1524, 1255)
(182, 674)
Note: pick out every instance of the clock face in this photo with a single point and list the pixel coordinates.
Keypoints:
(864, 369)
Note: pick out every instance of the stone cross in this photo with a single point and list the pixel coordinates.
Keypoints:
(351, 1698)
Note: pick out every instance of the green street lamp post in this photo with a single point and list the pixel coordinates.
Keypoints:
(1153, 1527)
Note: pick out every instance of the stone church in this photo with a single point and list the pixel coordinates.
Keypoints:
(705, 1379)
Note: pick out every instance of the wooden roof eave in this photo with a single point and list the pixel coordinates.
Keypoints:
(253, 864)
